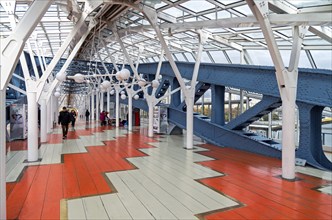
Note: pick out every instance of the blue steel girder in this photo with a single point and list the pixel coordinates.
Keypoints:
(265, 106)
(314, 90)
(221, 136)
(314, 85)
(310, 146)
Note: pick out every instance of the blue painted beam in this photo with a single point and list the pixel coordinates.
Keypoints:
(314, 85)
(222, 136)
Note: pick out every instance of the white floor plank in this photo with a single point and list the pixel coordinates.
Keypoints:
(94, 208)
(176, 207)
(114, 207)
(132, 204)
(213, 199)
(157, 209)
(76, 209)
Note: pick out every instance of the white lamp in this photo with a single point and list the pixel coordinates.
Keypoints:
(155, 83)
(61, 76)
(125, 74)
(136, 97)
(79, 78)
(57, 94)
(118, 76)
(141, 82)
(112, 92)
(105, 84)
(123, 96)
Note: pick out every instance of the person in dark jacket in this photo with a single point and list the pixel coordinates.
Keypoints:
(87, 114)
(73, 116)
(64, 120)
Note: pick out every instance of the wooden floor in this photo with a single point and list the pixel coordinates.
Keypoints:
(107, 173)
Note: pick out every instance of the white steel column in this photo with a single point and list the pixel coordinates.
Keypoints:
(287, 82)
(49, 112)
(97, 105)
(117, 106)
(2, 154)
(92, 114)
(101, 101)
(43, 119)
(108, 100)
(32, 126)
(130, 111)
(190, 121)
(150, 128)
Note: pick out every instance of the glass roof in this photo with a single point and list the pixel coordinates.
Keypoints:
(230, 25)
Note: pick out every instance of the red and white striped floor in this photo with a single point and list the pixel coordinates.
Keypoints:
(108, 173)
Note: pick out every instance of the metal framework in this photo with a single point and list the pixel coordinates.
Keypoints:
(55, 40)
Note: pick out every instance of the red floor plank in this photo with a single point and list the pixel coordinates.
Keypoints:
(250, 179)
(70, 182)
(18, 196)
(34, 202)
(54, 193)
(85, 182)
(96, 175)
(252, 184)
(9, 188)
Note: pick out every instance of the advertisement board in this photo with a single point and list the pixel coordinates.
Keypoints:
(160, 120)
(18, 121)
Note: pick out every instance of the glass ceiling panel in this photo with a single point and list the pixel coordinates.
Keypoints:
(175, 12)
(244, 9)
(309, 3)
(198, 5)
(219, 14)
(218, 57)
(322, 58)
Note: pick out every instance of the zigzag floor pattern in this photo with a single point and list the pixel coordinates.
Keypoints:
(103, 173)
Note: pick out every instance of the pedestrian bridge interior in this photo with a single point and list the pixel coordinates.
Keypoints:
(216, 109)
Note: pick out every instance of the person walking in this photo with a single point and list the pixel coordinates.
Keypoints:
(102, 117)
(73, 116)
(64, 119)
(87, 114)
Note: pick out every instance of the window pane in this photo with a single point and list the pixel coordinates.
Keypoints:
(218, 56)
(322, 58)
(260, 57)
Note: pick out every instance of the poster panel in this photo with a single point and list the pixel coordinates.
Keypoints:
(18, 123)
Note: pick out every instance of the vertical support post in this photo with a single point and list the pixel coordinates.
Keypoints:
(190, 122)
(117, 107)
(288, 135)
(130, 111)
(33, 127)
(101, 101)
(97, 105)
(108, 100)
(203, 104)
(241, 101)
(175, 97)
(43, 119)
(229, 106)
(48, 119)
(218, 105)
(92, 105)
(150, 128)
(3, 154)
(269, 132)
